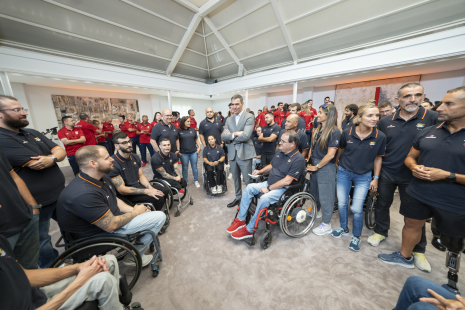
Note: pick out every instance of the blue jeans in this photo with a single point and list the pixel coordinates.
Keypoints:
(193, 158)
(255, 161)
(143, 151)
(25, 244)
(361, 183)
(417, 287)
(264, 201)
(73, 164)
(47, 252)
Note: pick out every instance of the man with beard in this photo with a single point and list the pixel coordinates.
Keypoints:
(269, 138)
(73, 139)
(400, 130)
(350, 112)
(291, 124)
(295, 109)
(210, 127)
(34, 158)
(279, 114)
(89, 206)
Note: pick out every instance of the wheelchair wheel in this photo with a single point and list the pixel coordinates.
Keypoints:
(265, 240)
(370, 221)
(298, 215)
(191, 201)
(118, 247)
(169, 199)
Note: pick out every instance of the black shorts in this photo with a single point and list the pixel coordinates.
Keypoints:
(266, 159)
(449, 223)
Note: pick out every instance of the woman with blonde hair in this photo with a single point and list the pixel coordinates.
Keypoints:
(360, 152)
(322, 164)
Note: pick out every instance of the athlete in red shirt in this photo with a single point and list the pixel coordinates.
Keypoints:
(144, 129)
(87, 128)
(131, 127)
(109, 129)
(308, 116)
(156, 118)
(261, 117)
(73, 139)
(279, 114)
(193, 121)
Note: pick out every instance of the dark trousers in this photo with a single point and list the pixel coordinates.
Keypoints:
(176, 184)
(135, 142)
(110, 146)
(266, 159)
(219, 175)
(105, 145)
(386, 186)
(434, 229)
(73, 164)
(225, 149)
(157, 203)
(47, 253)
(25, 244)
(309, 136)
(143, 151)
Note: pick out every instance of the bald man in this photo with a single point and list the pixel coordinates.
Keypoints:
(210, 127)
(164, 129)
(291, 124)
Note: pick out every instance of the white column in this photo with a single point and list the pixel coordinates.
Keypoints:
(246, 99)
(263, 100)
(155, 104)
(6, 84)
(294, 93)
(308, 93)
(169, 100)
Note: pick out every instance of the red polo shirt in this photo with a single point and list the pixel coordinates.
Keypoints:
(153, 123)
(261, 118)
(102, 138)
(193, 122)
(144, 138)
(72, 134)
(176, 124)
(280, 116)
(89, 132)
(109, 128)
(133, 126)
(308, 119)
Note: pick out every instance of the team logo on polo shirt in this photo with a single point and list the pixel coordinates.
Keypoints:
(391, 126)
(289, 160)
(420, 126)
(431, 137)
(372, 144)
(164, 129)
(350, 141)
(135, 164)
(37, 139)
(76, 132)
(3, 253)
(24, 141)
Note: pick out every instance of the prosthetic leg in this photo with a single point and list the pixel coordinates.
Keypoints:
(454, 247)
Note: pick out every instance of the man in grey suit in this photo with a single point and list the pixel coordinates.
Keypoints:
(238, 131)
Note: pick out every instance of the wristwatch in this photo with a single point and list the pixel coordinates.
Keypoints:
(36, 207)
(268, 188)
(54, 158)
(451, 178)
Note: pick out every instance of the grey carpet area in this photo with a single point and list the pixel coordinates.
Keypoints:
(204, 268)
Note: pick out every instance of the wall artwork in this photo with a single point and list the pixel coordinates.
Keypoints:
(97, 108)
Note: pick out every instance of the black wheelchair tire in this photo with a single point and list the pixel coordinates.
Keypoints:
(265, 240)
(370, 221)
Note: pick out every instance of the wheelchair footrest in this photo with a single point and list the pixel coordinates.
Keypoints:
(249, 241)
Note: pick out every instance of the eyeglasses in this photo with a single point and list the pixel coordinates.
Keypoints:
(282, 141)
(124, 142)
(17, 110)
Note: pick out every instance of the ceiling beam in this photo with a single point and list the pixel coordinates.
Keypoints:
(187, 4)
(324, 7)
(277, 11)
(205, 44)
(211, 5)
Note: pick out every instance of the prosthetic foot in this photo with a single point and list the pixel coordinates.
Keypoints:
(454, 247)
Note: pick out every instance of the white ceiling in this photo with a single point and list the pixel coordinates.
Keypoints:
(208, 39)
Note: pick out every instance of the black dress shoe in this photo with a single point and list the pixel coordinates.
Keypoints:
(236, 202)
(437, 245)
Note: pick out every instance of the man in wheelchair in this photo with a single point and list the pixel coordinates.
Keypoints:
(213, 158)
(129, 179)
(285, 169)
(165, 166)
(89, 206)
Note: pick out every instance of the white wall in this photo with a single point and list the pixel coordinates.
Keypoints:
(182, 105)
(437, 84)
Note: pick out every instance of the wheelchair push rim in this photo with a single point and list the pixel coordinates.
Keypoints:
(370, 221)
(298, 215)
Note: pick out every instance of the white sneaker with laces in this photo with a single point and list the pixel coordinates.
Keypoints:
(197, 184)
(219, 189)
(230, 176)
(129, 261)
(419, 260)
(323, 229)
(213, 189)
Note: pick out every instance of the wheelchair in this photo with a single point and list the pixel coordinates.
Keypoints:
(369, 206)
(295, 211)
(205, 181)
(174, 196)
(79, 250)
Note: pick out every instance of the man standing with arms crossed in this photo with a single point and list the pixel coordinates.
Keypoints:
(269, 137)
(73, 139)
(238, 130)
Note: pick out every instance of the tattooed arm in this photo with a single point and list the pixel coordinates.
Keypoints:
(110, 222)
(165, 174)
(121, 187)
(178, 173)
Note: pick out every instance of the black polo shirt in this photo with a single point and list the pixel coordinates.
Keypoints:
(333, 141)
(126, 168)
(160, 130)
(15, 214)
(16, 291)
(187, 138)
(291, 164)
(303, 140)
(45, 185)
(269, 148)
(84, 202)
(443, 150)
(300, 124)
(258, 145)
(400, 135)
(213, 154)
(159, 160)
(207, 128)
(347, 123)
(359, 155)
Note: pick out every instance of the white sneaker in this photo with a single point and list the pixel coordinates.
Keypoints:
(419, 260)
(129, 261)
(323, 229)
(375, 239)
(230, 176)
(318, 214)
(213, 189)
(219, 189)
(197, 184)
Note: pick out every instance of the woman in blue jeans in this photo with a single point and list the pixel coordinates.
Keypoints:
(190, 148)
(360, 152)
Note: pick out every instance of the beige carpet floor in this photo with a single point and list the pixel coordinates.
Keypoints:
(204, 268)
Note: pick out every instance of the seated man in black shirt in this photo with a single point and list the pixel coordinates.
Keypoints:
(64, 288)
(291, 124)
(128, 177)
(213, 157)
(258, 147)
(165, 166)
(88, 205)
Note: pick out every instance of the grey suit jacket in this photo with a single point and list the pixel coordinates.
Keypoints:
(242, 146)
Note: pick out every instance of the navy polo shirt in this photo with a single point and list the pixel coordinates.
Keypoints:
(84, 202)
(300, 124)
(443, 150)
(126, 168)
(213, 154)
(333, 141)
(207, 128)
(303, 145)
(400, 134)
(159, 160)
(359, 155)
(187, 138)
(291, 164)
(347, 123)
(46, 184)
(160, 130)
(258, 145)
(269, 148)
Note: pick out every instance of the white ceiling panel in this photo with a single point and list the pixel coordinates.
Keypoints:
(295, 8)
(199, 29)
(232, 9)
(207, 29)
(219, 59)
(224, 71)
(197, 43)
(251, 24)
(190, 71)
(213, 44)
(268, 59)
(198, 3)
(168, 8)
(194, 59)
(264, 42)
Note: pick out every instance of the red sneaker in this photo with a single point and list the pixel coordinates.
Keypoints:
(181, 191)
(143, 165)
(242, 233)
(236, 224)
(179, 162)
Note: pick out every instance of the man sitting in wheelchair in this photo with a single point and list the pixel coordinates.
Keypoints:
(285, 169)
(89, 206)
(165, 166)
(213, 158)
